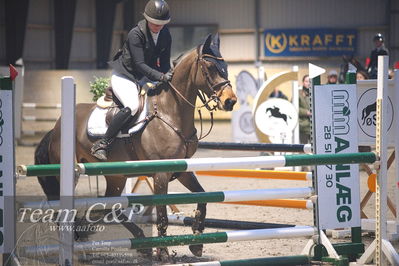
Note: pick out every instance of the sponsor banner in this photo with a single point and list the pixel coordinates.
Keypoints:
(310, 42)
(367, 115)
(336, 132)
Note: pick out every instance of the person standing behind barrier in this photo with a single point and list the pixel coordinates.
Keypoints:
(304, 111)
(361, 75)
(278, 94)
(332, 77)
(145, 55)
(378, 50)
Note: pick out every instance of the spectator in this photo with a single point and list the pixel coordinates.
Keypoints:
(391, 73)
(278, 94)
(378, 50)
(304, 111)
(361, 75)
(332, 77)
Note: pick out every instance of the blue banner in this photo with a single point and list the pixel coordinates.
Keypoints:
(310, 42)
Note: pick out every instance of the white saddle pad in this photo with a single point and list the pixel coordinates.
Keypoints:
(96, 126)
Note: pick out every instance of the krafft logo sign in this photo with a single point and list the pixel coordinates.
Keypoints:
(336, 132)
(310, 42)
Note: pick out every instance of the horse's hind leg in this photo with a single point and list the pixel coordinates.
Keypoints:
(115, 186)
(190, 181)
(161, 181)
(49, 184)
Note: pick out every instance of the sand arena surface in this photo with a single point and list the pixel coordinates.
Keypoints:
(221, 251)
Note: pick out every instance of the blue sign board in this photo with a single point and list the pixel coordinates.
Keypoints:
(310, 42)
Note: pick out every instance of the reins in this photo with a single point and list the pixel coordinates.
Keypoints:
(201, 95)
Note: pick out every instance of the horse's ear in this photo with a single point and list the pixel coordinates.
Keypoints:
(216, 40)
(206, 48)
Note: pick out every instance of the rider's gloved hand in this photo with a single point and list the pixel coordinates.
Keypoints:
(167, 76)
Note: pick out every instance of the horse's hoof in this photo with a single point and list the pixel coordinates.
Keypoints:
(163, 255)
(196, 249)
(147, 252)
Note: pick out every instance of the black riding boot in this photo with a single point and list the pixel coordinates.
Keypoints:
(100, 147)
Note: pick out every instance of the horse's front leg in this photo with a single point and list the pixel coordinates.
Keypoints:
(115, 186)
(190, 181)
(161, 181)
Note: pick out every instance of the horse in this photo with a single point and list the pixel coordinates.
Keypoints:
(345, 67)
(275, 112)
(170, 132)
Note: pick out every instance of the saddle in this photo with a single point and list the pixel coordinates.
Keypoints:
(109, 105)
(112, 103)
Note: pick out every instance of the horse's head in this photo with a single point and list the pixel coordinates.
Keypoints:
(214, 75)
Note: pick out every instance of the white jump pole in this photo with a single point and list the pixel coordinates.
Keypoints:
(295, 102)
(67, 178)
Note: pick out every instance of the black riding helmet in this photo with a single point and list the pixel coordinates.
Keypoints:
(157, 12)
(378, 37)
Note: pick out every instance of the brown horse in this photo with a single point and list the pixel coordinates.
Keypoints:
(170, 132)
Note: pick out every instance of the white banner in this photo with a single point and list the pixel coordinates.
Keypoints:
(366, 111)
(336, 131)
(243, 125)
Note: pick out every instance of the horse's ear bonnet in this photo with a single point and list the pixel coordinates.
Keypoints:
(211, 46)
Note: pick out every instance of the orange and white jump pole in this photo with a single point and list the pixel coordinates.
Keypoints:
(264, 174)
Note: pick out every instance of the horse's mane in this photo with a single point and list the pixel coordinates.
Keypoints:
(181, 57)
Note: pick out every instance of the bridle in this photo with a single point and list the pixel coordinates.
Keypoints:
(216, 89)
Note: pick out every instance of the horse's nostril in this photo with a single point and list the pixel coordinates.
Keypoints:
(229, 103)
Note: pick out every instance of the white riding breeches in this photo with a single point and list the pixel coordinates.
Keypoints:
(126, 91)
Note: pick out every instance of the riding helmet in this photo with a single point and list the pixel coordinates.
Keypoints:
(378, 37)
(157, 12)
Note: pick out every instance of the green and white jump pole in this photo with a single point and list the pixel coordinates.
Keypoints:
(179, 198)
(197, 164)
(271, 261)
(150, 242)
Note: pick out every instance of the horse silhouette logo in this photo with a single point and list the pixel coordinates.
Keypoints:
(367, 111)
(275, 112)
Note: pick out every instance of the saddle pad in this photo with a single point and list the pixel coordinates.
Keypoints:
(96, 126)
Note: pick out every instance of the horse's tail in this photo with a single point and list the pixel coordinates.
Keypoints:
(50, 184)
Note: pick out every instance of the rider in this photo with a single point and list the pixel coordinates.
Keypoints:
(145, 56)
(378, 50)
